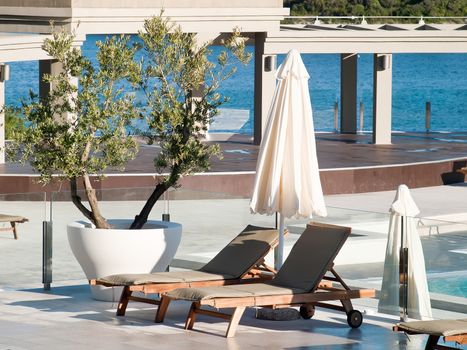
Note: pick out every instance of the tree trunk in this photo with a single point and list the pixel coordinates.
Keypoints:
(77, 200)
(97, 218)
(142, 218)
(94, 214)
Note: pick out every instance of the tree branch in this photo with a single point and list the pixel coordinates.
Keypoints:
(142, 217)
(77, 200)
(97, 218)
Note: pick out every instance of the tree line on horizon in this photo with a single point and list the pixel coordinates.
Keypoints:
(436, 8)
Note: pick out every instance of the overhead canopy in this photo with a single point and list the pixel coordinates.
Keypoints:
(127, 16)
(375, 38)
(25, 47)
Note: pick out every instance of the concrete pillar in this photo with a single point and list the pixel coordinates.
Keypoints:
(2, 122)
(201, 39)
(349, 93)
(197, 95)
(265, 83)
(382, 98)
(52, 67)
(47, 67)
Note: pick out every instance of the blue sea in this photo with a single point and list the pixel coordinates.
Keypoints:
(417, 78)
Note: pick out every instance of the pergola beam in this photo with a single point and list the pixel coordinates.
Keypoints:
(127, 17)
(380, 40)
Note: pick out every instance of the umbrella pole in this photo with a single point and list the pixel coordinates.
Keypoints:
(279, 250)
(403, 275)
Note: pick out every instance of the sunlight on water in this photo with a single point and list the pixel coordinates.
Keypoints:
(417, 78)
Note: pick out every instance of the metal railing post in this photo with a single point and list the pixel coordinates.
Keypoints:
(46, 254)
(428, 116)
(336, 117)
(166, 214)
(362, 111)
(403, 275)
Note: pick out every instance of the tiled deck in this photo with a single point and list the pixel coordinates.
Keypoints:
(67, 318)
(334, 151)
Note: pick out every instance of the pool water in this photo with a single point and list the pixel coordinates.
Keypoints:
(455, 285)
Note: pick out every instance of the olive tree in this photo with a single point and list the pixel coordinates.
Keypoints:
(73, 133)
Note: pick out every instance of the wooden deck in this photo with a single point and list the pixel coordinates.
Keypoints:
(348, 163)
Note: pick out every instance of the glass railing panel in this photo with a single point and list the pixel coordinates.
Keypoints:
(361, 259)
(211, 219)
(21, 258)
(445, 250)
(120, 203)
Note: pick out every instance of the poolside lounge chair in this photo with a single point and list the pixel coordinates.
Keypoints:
(241, 261)
(297, 283)
(450, 330)
(13, 220)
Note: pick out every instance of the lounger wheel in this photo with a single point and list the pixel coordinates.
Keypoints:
(307, 311)
(354, 318)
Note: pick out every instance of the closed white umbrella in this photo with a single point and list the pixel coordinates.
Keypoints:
(403, 230)
(287, 175)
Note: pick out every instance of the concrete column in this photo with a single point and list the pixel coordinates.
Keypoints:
(2, 122)
(382, 98)
(47, 67)
(265, 83)
(349, 93)
(197, 95)
(52, 67)
(201, 39)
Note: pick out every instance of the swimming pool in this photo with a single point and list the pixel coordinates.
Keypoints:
(453, 283)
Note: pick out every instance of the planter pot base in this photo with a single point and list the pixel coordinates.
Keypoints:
(102, 252)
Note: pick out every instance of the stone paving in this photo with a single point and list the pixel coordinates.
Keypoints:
(67, 317)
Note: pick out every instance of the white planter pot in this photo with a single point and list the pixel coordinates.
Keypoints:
(102, 252)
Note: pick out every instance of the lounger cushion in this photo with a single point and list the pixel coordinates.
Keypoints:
(161, 277)
(244, 250)
(230, 263)
(11, 218)
(234, 291)
(436, 327)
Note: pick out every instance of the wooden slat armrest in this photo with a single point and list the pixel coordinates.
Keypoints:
(459, 339)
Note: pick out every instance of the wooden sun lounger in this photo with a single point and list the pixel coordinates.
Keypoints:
(13, 220)
(451, 331)
(240, 262)
(297, 283)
